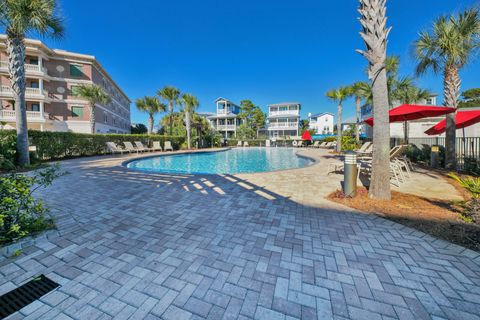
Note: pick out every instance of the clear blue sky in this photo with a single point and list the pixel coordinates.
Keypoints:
(267, 51)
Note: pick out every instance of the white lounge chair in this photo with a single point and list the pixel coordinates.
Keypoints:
(315, 144)
(129, 147)
(322, 145)
(141, 147)
(113, 148)
(365, 148)
(267, 143)
(168, 146)
(245, 144)
(157, 146)
(239, 143)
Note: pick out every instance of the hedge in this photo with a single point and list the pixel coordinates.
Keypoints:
(59, 145)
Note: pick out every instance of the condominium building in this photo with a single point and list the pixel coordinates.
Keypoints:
(52, 76)
(283, 119)
(225, 120)
(322, 123)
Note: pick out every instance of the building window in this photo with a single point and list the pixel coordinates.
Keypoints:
(76, 70)
(77, 112)
(429, 101)
(105, 119)
(35, 107)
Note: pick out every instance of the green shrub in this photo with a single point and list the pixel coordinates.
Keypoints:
(349, 143)
(471, 207)
(20, 213)
(329, 139)
(58, 145)
(471, 166)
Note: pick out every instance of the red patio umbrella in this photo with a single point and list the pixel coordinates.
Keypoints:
(306, 136)
(408, 112)
(463, 119)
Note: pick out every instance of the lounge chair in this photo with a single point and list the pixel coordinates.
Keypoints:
(157, 146)
(322, 145)
(267, 143)
(245, 144)
(141, 147)
(168, 146)
(364, 148)
(239, 143)
(315, 144)
(113, 148)
(129, 147)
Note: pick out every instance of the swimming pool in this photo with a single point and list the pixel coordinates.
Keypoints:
(238, 160)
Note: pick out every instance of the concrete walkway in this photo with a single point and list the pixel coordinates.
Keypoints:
(134, 245)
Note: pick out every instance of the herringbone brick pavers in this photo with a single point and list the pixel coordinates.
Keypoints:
(133, 245)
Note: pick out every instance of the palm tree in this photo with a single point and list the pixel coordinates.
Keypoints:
(172, 95)
(339, 95)
(406, 92)
(94, 94)
(19, 18)
(375, 34)
(190, 103)
(151, 105)
(447, 48)
(360, 91)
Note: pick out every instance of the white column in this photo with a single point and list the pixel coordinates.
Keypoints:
(41, 127)
(40, 85)
(41, 108)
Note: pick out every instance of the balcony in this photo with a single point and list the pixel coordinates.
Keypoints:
(33, 116)
(225, 127)
(284, 113)
(34, 93)
(283, 126)
(30, 69)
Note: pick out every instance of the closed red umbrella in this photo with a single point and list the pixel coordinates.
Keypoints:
(408, 112)
(306, 136)
(463, 119)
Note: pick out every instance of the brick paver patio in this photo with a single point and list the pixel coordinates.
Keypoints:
(149, 246)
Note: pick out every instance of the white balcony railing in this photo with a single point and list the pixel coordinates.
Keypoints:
(31, 115)
(29, 68)
(28, 91)
(284, 113)
(227, 127)
(283, 125)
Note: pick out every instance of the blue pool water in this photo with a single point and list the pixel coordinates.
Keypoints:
(239, 160)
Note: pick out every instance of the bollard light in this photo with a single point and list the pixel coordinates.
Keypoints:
(350, 173)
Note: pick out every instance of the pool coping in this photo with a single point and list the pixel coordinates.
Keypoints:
(180, 152)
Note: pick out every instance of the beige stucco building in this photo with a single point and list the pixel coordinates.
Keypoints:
(51, 76)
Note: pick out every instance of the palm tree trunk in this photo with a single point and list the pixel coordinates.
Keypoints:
(451, 92)
(188, 125)
(380, 180)
(358, 102)
(16, 69)
(339, 127)
(150, 123)
(170, 110)
(91, 108)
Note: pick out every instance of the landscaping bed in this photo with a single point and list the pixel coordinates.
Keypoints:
(438, 218)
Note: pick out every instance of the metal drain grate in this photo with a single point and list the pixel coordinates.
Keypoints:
(22, 296)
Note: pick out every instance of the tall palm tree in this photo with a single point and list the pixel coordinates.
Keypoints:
(19, 18)
(360, 91)
(338, 96)
(172, 95)
(190, 103)
(151, 105)
(94, 94)
(447, 48)
(375, 34)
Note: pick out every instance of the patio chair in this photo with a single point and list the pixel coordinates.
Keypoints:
(267, 143)
(299, 144)
(245, 144)
(141, 147)
(113, 148)
(239, 143)
(129, 147)
(168, 146)
(157, 146)
(322, 145)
